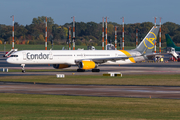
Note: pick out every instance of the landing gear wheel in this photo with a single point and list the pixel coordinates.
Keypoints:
(80, 70)
(95, 70)
(23, 70)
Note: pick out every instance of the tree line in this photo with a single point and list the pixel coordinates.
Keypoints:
(89, 33)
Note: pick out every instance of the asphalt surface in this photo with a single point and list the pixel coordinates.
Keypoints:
(93, 90)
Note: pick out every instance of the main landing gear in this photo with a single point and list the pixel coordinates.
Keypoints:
(23, 70)
(80, 70)
(83, 70)
(95, 70)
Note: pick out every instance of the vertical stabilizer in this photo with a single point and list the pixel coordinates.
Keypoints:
(169, 41)
(147, 44)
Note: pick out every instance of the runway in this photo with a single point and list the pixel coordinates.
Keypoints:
(93, 90)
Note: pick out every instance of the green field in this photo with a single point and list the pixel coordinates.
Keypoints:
(45, 107)
(41, 47)
(162, 80)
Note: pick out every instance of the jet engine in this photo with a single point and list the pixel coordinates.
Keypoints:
(87, 65)
(61, 66)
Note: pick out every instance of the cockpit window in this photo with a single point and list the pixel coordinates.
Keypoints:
(14, 56)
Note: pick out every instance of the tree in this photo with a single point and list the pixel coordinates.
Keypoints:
(41, 37)
(35, 32)
(176, 38)
(42, 19)
(20, 30)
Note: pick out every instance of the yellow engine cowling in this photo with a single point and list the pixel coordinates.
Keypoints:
(61, 66)
(87, 65)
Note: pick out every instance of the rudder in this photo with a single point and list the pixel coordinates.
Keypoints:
(147, 44)
(169, 41)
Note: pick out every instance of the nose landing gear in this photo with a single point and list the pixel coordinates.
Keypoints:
(23, 70)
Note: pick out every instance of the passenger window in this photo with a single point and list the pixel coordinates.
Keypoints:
(14, 56)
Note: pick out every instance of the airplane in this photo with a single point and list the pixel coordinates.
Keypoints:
(170, 43)
(172, 47)
(86, 59)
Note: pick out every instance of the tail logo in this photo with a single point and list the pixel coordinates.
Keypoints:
(148, 42)
(168, 42)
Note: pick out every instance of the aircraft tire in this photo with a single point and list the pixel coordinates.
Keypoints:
(95, 70)
(23, 71)
(80, 70)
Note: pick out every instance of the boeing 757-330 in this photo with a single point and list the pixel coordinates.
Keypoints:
(86, 59)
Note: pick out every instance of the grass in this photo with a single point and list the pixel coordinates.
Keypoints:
(45, 107)
(161, 80)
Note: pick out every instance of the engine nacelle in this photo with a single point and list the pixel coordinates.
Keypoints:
(87, 65)
(61, 66)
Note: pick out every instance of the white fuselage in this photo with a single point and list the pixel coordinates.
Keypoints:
(70, 56)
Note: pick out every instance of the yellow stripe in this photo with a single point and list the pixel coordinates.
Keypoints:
(128, 55)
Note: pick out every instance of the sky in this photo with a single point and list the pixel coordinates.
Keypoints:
(61, 11)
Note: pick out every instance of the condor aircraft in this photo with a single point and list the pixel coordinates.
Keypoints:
(86, 59)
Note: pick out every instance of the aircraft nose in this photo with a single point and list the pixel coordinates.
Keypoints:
(9, 60)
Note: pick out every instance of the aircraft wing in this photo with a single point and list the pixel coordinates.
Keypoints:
(102, 60)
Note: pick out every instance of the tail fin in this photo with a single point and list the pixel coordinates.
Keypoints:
(147, 44)
(169, 41)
